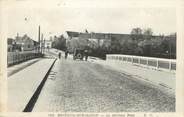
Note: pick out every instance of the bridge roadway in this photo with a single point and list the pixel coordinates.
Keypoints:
(80, 86)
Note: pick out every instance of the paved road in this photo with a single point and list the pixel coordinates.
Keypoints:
(80, 86)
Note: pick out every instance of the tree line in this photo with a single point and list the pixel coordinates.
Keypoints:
(142, 42)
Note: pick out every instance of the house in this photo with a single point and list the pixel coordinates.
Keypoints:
(99, 38)
(102, 39)
(111, 39)
(46, 44)
(26, 43)
(10, 44)
(72, 35)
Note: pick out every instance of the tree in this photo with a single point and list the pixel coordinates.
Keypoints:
(132, 46)
(136, 33)
(146, 43)
(115, 45)
(148, 33)
(146, 46)
(59, 42)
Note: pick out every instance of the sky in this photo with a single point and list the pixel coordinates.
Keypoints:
(56, 16)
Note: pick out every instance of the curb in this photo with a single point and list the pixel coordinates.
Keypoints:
(30, 105)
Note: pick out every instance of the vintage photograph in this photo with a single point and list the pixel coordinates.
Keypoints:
(90, 56)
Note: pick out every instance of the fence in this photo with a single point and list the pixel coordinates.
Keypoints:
(158, 63)
(18, 57)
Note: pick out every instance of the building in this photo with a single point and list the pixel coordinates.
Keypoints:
(94, 37)
(26, 43)
(113, 39)
(46, 44)
(10, 44)
(102, 39)
(72, 35)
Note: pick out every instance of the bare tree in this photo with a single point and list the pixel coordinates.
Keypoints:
(136, 33)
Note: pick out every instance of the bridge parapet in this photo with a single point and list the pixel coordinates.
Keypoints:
(156, 63)
(18, 57)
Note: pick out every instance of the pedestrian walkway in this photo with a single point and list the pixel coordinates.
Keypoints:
(23, 84)
(163, 78)
(16, 68)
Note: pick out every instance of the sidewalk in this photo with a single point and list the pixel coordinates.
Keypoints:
(16, 68)
(23, 84)
(160, 78)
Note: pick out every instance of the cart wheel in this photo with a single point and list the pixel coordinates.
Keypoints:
(79, 55)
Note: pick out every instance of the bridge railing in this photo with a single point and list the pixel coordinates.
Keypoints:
(18, 57)
(157, 63)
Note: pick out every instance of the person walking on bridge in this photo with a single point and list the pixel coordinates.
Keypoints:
(59, 55)
(66, 54)
(86, 54)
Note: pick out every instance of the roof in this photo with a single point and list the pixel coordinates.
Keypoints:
(85, 35)
(106, 35)
(72, 34)
(120, 36)
(98, 35)
(25, 39)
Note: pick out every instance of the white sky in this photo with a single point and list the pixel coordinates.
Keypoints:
(98, 16)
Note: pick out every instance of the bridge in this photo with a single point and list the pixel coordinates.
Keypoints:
(122, 83)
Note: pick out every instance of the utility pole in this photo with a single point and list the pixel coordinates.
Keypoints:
(42, 43)
(39, 39)
(44, 46)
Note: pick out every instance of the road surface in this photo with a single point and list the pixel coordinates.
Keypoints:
(80, 86)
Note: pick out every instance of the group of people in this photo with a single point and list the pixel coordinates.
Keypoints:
(66, 54)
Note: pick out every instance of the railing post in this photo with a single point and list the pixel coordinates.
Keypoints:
(18, 58)
(13, 58)
(147, 62)
(157, 64)
(170, 63)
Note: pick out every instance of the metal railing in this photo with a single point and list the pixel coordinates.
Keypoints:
(157, 63)
(18, 57)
